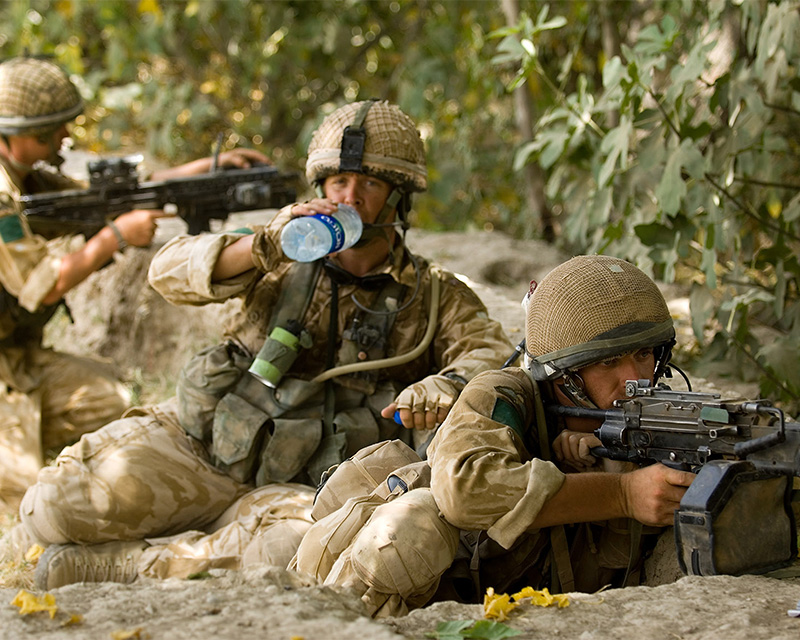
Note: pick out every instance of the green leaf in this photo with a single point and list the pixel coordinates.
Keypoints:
(615, 144)
(672, 188)
(613, 72)
(490, 630)
(450, 630)
(654, 234)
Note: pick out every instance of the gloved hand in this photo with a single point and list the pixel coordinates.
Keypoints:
(425, 404)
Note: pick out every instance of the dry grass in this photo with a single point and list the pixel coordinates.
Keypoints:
(15, 571)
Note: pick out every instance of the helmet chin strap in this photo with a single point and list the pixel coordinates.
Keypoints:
(573, 388)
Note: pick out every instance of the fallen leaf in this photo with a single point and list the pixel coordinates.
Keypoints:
(34, 552)
(75, 618)
(497, 606)
(30, 603)
(542, 598)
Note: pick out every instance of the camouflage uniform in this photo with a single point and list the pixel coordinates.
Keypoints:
(490, 469)
(47, 399)
(143, 476)
(489, 496)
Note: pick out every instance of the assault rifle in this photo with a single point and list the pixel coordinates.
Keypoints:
(114, 188)
(736, 517)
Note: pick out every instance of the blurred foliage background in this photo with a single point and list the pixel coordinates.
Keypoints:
(661, 131)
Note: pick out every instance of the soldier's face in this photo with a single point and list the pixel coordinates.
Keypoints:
(365, 194)
(31, 149)
(605, 381)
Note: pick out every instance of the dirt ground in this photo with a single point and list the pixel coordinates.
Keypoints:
(118, 317)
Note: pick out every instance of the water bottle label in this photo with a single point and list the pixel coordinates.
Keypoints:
(336, 229)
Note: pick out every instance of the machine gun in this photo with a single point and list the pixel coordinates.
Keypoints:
(736, 517)
(114, 188)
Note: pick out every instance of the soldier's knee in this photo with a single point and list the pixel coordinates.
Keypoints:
(405, 547)
(62, 506)
(39, 513)
(276, 544)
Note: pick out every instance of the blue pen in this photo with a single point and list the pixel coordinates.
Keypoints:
(397, 417)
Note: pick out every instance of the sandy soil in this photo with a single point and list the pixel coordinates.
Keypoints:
(118, 317)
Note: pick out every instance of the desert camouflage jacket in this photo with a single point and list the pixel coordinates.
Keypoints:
(29, 263)
(489, 460)
(466, 340)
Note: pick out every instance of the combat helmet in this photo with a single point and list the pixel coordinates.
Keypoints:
(36, 97)
(371, 137)
(591, 308)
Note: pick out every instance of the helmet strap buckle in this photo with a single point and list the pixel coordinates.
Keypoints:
(574, 389)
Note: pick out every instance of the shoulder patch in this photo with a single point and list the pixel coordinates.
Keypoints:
(11, 229)
(508, 413)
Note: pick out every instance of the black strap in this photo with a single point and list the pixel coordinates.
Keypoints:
(354, 139)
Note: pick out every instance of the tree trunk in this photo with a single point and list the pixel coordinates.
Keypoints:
(534, 177)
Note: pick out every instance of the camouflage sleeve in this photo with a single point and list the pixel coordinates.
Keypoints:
(467, 340)
(181, 270)
(483, 478)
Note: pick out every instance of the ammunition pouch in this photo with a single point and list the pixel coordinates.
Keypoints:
(735, 518)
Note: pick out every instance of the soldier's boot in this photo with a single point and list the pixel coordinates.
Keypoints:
(63, 564)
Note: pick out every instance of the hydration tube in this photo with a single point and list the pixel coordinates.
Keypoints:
(433, 317)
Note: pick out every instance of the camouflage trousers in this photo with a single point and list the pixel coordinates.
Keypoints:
(72, 396)
(143, 478)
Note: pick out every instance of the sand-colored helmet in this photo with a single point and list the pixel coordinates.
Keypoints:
(371, 137)
(36, 97)
(591, 308)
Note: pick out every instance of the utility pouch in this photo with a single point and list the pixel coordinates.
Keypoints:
(735, 518)
(359, 426)
(251, 430)
(238, 433)
(288, 444)
(206, 378)
(374, 476)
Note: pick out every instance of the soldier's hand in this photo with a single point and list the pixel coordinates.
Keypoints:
(236, 158)
(652, 494)
(139, 226)
(572, 448)
(242, 158)
(425, 404)
(317, 205)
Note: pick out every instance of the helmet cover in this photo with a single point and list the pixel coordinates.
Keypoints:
(392, 147)
(591, 308)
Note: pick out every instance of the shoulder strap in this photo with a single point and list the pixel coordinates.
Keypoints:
(296, 293)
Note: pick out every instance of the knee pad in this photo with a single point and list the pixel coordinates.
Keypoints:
(406, 545)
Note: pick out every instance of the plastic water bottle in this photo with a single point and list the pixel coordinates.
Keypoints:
(309, 238)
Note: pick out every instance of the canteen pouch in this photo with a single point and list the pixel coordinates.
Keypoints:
(734, 519)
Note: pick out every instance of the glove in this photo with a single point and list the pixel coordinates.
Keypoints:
(425, 404)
